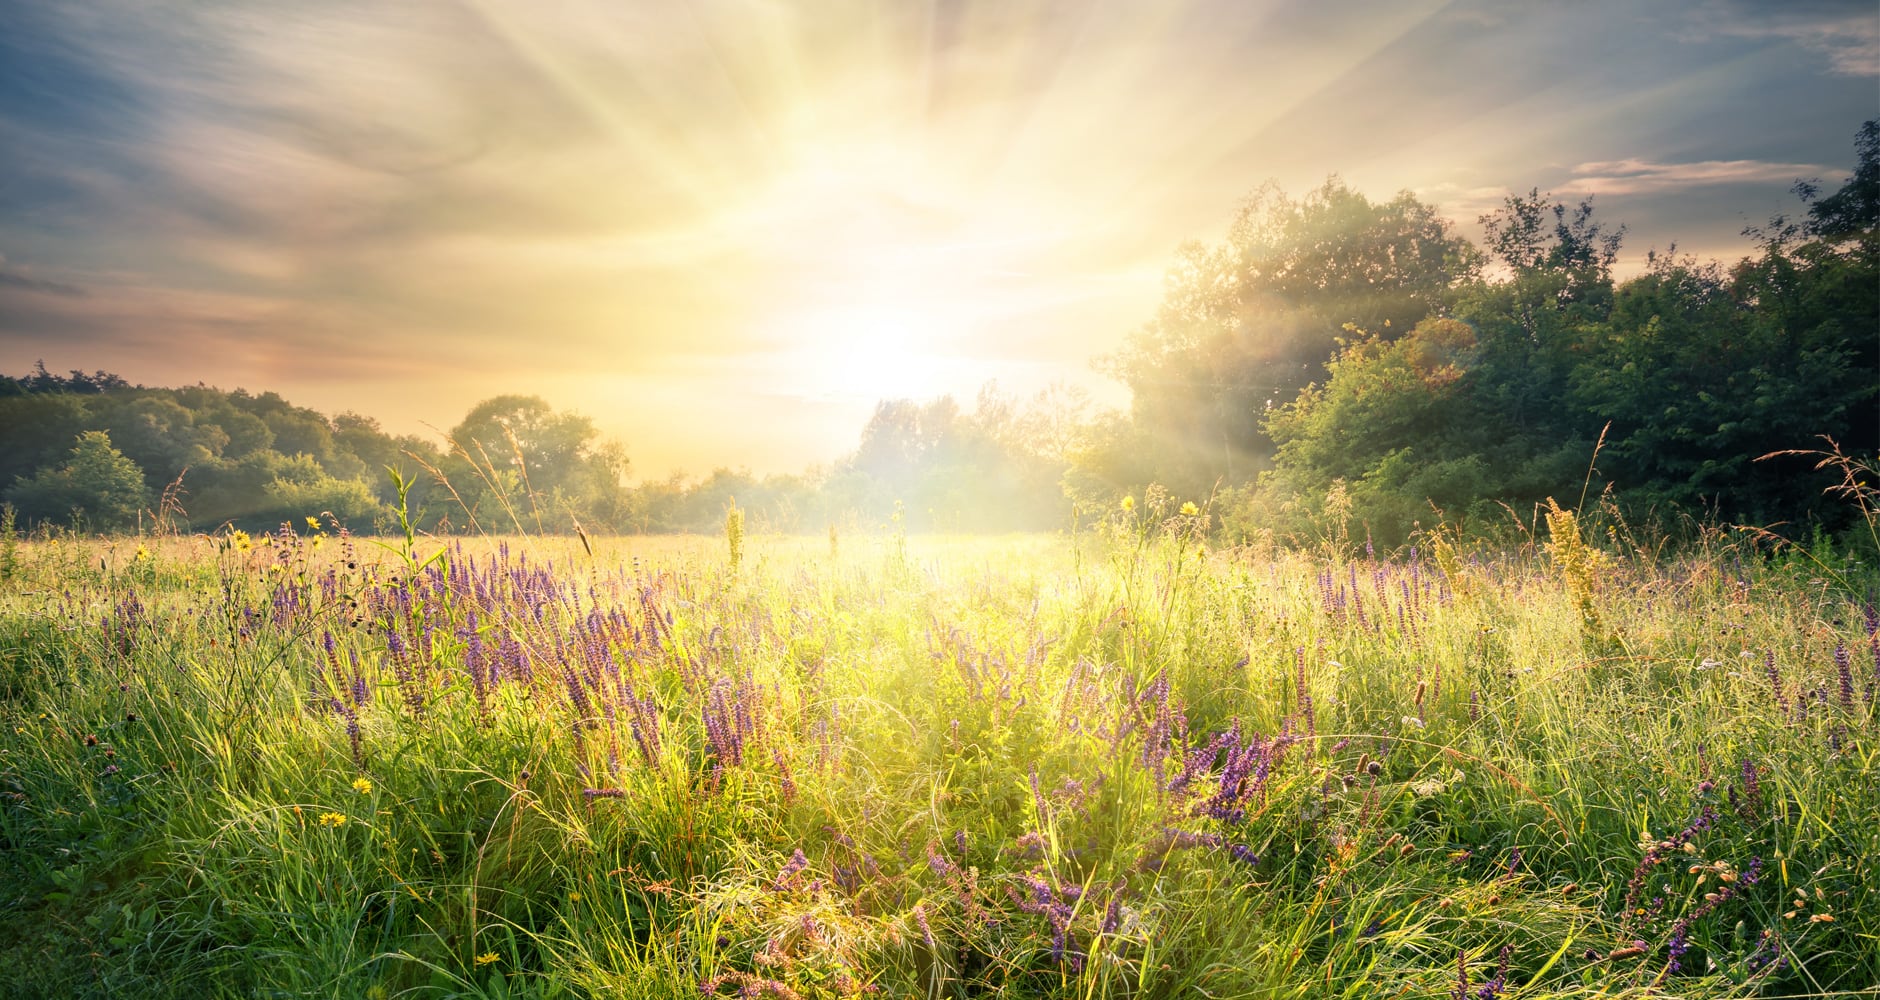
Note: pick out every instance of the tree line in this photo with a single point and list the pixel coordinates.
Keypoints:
(1334, 356)
(90, 451)
(1338, 351)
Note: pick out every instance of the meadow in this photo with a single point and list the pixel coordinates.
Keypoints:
(1123, 763)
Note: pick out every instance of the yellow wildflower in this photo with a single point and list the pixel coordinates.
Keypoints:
(1129, 504)
(488, 958)
(313, 522)
(362, 785)
(240, 540)
(1189, 509)
(142, 553)
(574, 897)
(333, 819)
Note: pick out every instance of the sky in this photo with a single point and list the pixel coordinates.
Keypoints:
(724, 229)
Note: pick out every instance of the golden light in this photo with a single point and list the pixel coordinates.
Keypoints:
(879, 350)
(878, 280)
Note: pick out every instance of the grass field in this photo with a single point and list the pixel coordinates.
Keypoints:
(1128, 765)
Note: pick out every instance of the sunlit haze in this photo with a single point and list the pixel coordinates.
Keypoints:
(725, 229)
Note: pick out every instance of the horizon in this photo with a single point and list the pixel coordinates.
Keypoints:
(725, 234)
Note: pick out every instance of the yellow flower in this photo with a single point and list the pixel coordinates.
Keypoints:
(1129, 504)
(142, 553)
(333, 819)
(1189, 509)
(362, 785)
(574, 897)
(240, 540)
(313, 522)
(488, 958)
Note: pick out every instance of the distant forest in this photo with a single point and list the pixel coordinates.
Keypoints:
(1334, 359)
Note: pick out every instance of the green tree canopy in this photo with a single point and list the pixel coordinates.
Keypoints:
(1245, 326)
(96, 484)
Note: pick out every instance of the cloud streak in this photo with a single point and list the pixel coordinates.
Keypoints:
(1641, 176)
(1845, 33)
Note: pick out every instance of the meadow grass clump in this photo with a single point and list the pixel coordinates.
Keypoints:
(302, 764)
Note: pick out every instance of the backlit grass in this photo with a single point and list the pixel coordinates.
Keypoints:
(311, 765)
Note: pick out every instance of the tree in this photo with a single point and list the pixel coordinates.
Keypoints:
(96, 484)
(1245, 326)
(161, 436)
(1405, 424)
(1853, 210)
(1574, 244)
(514, 458)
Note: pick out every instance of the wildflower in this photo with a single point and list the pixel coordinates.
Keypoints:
(1190, 510)
(362, 785)
(333, 819)
(926, 929)
(1844, 667)
(574, 897)
(488, 957)
(240, 540)
(313, 522)
(142, 553)
(787, 875)
(1129, 504)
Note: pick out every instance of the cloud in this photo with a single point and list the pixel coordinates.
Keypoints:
(1637, 176)
(1461, 203)
(23, 283)
(1845, 32)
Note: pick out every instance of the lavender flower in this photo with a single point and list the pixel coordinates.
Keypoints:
(941, 865)
(787, 876)
(1844, 669)
(1492, 989)
(1656, 853)
(926, 932)
(1775, 680)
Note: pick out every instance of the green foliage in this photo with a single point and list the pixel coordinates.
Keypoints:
(10, 543)
(1493, 400)
(231, 456)
(96, 484)
(1245, 325)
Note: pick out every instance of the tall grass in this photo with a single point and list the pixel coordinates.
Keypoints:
(1021, 767)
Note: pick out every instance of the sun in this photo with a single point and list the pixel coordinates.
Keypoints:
(887, 350)
(877, 283)
(871, 350)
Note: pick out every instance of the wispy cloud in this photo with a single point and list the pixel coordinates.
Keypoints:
(1464, 204)
(25, 283)
(1844, 32)
(1638, 176)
